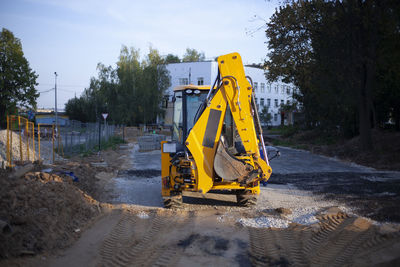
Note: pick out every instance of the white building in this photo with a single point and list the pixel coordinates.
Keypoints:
(204, 73)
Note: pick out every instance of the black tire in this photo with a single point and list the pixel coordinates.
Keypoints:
(245, 198)
(173, 202)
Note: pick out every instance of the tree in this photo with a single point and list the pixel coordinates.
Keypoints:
(17, 79)
(286, 111)
(170, 58)
(192, 55)
(131, 93)
(331, 51)
(265, 116)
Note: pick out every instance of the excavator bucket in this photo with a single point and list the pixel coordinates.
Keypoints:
(228, 167)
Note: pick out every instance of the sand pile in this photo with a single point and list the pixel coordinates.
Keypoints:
(16, 146)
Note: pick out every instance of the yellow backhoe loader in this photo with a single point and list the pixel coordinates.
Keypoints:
(217, 142)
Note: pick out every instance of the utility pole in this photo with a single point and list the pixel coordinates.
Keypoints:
(55, 99)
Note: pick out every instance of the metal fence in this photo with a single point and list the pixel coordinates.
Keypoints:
(78, 137)
(22, 141)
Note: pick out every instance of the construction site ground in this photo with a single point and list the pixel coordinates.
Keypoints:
(313, 211)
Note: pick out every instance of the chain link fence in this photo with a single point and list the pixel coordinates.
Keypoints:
(23, 142)
(78, 137)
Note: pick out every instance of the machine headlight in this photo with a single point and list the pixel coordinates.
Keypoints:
(188, 91)
(169, 148)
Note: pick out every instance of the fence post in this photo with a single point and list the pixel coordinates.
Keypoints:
(52, 137)
(66, 148)
(58, 138)
(20, 138)
(27, 139)
(33, 140)
(39, 140)
(8, 142)
(99, 136)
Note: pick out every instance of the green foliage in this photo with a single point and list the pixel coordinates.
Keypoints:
(170, 58)
(192, 55)
(285, 130)
(112, 143)
(131, 93)
(17, 79)
(265, 116)
(342, 57)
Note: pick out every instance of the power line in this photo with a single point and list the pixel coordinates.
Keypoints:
(62, 85)
(65, 90)
(52, 89)
(46, 91)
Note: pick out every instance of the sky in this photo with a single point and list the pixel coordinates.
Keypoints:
(71, 37)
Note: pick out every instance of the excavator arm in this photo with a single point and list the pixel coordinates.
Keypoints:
(210, 153)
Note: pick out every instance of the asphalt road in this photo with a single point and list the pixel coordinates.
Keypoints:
(301, 161)
(371, 193)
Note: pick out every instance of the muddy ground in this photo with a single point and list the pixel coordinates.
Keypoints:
(314, 211)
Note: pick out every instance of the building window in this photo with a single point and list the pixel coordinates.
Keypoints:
(287, 102)
(255, 99)
(269, 88)
(282, 89)
(200, 81)
(262, 101)
(276, 89)
(268, 102)
(255, 86)
(276, 102)
(262, 87)
(288, 90)
(183, 81)
(275, 117)
(282, 102)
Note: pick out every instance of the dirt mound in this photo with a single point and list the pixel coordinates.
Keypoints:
(384, 154)
(42, 211)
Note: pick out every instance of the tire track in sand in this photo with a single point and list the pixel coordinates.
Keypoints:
(277, 246)
(118, 236)
(148, 250)
(336, 241)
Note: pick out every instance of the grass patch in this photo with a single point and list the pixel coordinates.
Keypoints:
(285, 131)
(289, 143)
(112, 143)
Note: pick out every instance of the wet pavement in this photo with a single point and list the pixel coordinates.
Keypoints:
(140, 185)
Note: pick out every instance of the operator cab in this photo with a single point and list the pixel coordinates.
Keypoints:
(187, 100)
